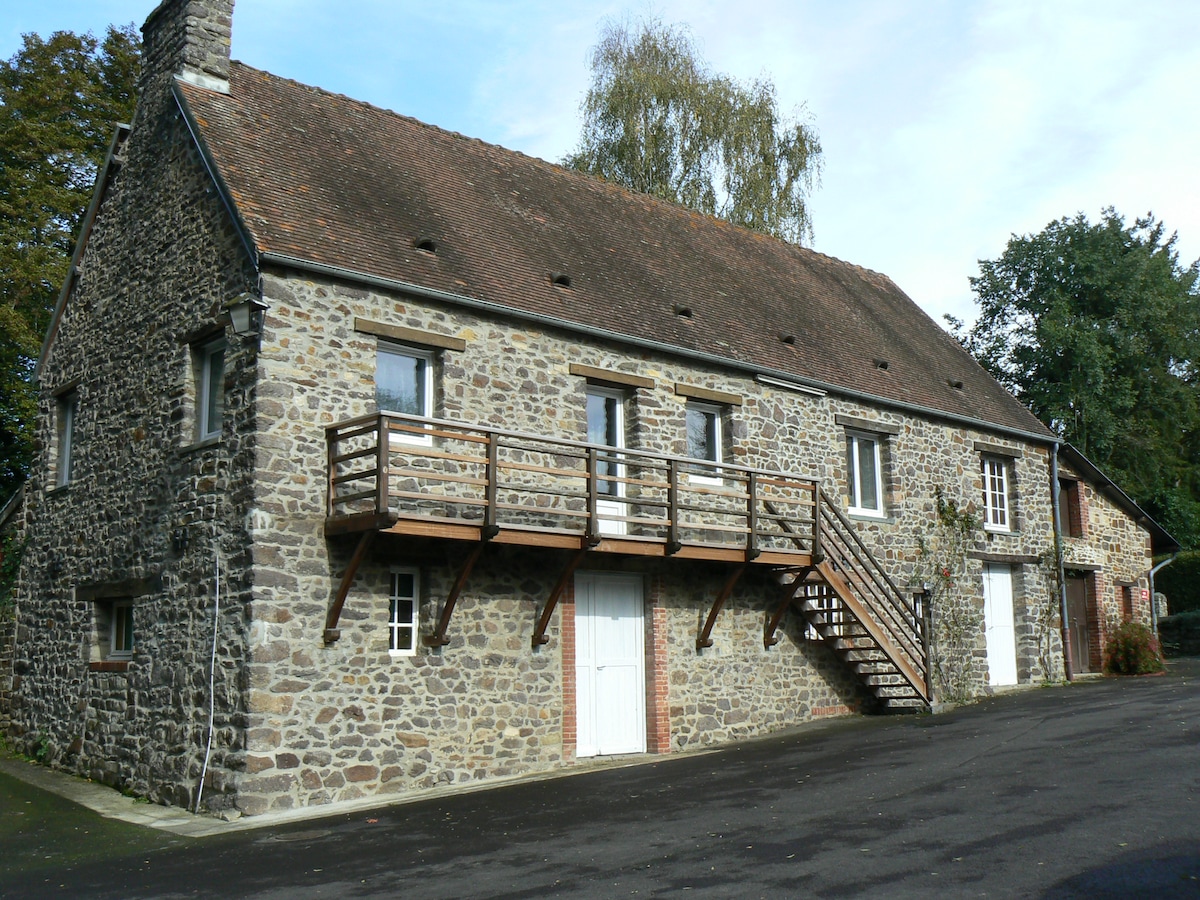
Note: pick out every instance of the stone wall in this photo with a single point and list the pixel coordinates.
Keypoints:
(8, 641)
(161, 260)
(434, 716)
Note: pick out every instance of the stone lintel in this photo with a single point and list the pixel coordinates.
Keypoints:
(409, 335)
(608, 376)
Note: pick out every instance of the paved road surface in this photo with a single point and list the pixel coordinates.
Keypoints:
(1091, 790)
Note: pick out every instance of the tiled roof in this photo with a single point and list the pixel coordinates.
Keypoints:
(329, 180)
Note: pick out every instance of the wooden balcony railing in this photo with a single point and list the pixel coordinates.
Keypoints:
(445, 479)
(435, 478)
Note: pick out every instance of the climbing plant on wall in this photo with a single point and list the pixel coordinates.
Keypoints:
(942, 565)
(1046, 616)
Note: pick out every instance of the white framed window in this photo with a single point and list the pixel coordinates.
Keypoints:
(67, 408)
(995, 494)
(704, 440)
(864, 474)
(404, 606)
(404, 384)
(210, 389)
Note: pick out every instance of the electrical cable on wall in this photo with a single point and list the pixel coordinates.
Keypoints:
(212, 667)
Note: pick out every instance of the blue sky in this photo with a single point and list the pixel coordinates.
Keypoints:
(947, 125)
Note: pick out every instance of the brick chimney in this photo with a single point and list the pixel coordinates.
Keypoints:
(188, 38)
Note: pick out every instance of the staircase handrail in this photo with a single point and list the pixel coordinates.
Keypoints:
(901, 621)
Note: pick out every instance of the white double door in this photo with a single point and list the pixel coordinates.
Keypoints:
(999, 625)
(610, 679)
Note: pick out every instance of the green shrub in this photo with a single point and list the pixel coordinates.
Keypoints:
(1180, 634)
(1132, 649)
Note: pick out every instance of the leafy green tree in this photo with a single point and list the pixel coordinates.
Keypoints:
(657, 121)
(59, 101)
(1096, 328)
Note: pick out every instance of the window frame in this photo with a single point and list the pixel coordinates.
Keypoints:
(66, 411)
(427, 358)
(395, 624)
(1070, 508)
(715, 414)
(854, 479)
(613, 469)
(121, 614)
(997, 503)
(207, 391)
(113, 631)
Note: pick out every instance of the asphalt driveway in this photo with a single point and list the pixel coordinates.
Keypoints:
(1090, 790)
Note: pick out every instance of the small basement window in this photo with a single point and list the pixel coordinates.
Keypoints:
(112, 630)
(404, 604)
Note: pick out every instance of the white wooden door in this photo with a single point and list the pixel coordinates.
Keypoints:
(610, 680)
(998, 624)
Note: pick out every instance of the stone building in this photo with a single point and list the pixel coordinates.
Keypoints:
(374, 458)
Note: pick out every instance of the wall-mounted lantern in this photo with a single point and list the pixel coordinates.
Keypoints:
(245, 313)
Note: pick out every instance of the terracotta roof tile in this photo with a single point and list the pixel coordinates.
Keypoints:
(330, 180)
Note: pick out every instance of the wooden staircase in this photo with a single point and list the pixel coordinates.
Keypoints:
(851, 604)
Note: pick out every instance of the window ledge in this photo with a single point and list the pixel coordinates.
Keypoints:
(58, 489)
(204, 444)
(109, 665)
(859, 515)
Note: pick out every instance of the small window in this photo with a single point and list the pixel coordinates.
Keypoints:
(404, 384)
(68, 406)
(210, 389)
(995, 494)
(1070, 509)
(113, 630)
(865, 474)
(704, 438)
(404, 608)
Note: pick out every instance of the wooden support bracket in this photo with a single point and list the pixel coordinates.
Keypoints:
(543, 622)
(332, 632)
(791, 589)
(439, 638)
(705, 638)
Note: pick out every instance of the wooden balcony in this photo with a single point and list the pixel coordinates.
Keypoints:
(433, 478)
(397, 474)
